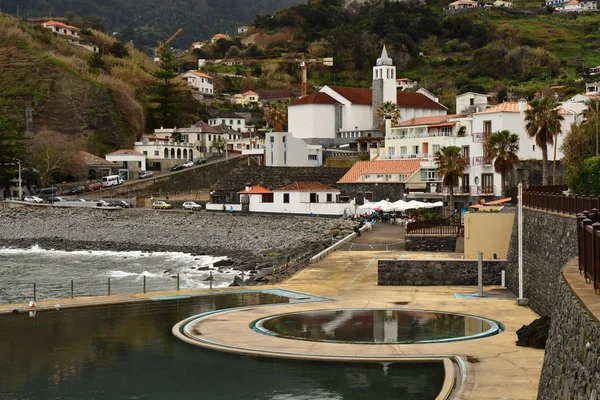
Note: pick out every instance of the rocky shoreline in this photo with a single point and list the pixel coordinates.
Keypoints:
(252, 242)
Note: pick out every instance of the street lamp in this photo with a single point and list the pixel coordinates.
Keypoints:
(20, 188)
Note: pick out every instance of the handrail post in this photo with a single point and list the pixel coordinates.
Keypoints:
(71, 288)
(109, 287)
(144, 283)
(210, 279)
(34, 293)
(178, 281)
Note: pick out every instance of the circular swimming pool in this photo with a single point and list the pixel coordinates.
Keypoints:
(373, 326)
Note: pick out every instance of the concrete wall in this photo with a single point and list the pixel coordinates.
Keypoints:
(431, 243)
(285, 150)
(549, 242)
(449, 272)
(312, 120)
(572, 359)
(489, 233)
(380, 190)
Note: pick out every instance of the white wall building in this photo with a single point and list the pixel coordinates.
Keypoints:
(242, 29)
(282, 149)
(130, 162)
(232, 120)
(200, 81)
(472, 101)
(62, 29)
(405, 83)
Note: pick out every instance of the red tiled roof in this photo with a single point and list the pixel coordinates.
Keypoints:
(85, 158)
(56, 23)
(220, 36)
(256, 190)
(125, 153)
(428, 120)
(306, 187)
(201, 75)
(408, 166)
(507, 106)
(403, 99)
(251, 92)
(315, 98)
(204, 127)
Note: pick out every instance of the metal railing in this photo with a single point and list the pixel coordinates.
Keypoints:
(560, 203)
(446, 226)
(588, 243)
(288, 269)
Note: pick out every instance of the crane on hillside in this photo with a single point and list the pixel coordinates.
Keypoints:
(161, 45)
(326, 61)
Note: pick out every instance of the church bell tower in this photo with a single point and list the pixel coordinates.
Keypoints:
(384, 82)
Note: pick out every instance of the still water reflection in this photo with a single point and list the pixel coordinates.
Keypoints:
(128, 352)
(376, 326)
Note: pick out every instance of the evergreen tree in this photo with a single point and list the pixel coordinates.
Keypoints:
(164, 92)
(12, 146)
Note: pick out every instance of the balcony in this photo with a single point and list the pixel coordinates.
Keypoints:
(481, 161)
(480, 137)
(407, 156)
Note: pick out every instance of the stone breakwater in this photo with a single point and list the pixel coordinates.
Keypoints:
(251, 242)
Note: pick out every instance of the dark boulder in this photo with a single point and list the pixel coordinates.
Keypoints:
(535, 334)
(223, 263)
(237, 281)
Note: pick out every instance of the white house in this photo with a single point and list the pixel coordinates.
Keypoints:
(502, 3)
(219, 36)
(285, 150)
(242, 29)
(471, 101)
(511, 116)
(304, 198)
(462, 4)
(248, 97)
(198, 45)
(232, 120)
(577, 103)
(130, 162)
(62, 29)
(405, 83)
(200, 81)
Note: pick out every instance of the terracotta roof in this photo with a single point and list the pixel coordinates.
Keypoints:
(125, 153)
(306, 187)
(441, 124)
(315, 98)
(250, 92)
(256, 190)
(199, 43)
(56, 23)
(220, 36)
(403, 99)
(201, 75)
(572, 3)
(508, 106)
(85, 158)
(205, 128)
(428, 120)
(404, 79)
(408, 166)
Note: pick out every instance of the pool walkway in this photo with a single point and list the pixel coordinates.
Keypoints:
(496, 367)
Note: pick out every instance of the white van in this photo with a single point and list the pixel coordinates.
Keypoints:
(111, 180)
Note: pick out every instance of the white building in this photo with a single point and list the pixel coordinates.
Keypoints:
(577, 104)
(405, 83)
(62, 29)
(198, 45)
(344, 112)
(471, 101)
(129, 161)
(463, 4)
(285, 150)
(232, 120)
(200, 81)
(242, 29)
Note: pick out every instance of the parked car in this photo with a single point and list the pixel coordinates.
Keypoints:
(201, 161)
(161, 205)
(77, 190)
(177, 168)
(119, 203)
(145, 174)
(32, 199)
(188, 164)
(92, 187)
(190, 205)
(55, 199)
(100, 203)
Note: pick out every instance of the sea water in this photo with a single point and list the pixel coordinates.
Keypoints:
(52, 272)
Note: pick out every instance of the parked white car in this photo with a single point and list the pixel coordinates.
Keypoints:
(33, 199)
(188, 164)
(190, 205)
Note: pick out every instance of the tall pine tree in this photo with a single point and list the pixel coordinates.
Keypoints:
(165, 94)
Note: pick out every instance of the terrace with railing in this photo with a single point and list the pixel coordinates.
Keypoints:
(552, 199)
(446, 226)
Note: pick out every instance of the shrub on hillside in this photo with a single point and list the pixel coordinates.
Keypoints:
(586, 179)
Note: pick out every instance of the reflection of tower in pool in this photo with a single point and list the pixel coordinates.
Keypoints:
(385, 326)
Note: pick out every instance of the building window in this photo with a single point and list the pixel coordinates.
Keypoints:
(285, 157)
(286, 197)
(391, 151)
(533, 147)
(403, 177)
(139, 164)
(272, 139)
(283, 139)
(429, 175)
(312, 157)
(415, 150)
(239, 122)
(267, 197)
(271, 158)
(487, 127)
(230, 122)
(403, 150)
(329, 197)
(314, 198)
(209, 138)
(368, 196)
(445, 131)
(436, 148)
(146, 153)
(156, 152)
(487, 183)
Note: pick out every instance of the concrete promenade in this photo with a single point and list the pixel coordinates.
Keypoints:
(496, 367)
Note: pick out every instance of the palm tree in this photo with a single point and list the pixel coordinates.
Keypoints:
(387, 110)
(276, 114)
(503, 147)
(451, 164)
(542, 122)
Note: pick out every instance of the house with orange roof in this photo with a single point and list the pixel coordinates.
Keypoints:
(62, 28)
(201, 82)
(248, 97)
(219, 36)
(198, 45)
(405, 83)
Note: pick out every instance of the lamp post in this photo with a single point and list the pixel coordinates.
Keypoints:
(20, 187)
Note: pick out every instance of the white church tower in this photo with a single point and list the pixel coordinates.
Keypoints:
(384, 82)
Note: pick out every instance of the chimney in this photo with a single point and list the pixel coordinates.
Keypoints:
(248, 187)
(388, 126)
(522, 105)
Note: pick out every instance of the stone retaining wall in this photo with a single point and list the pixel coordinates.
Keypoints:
(572, 360)
(437, 243)
(549, 242)
(449, 272)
